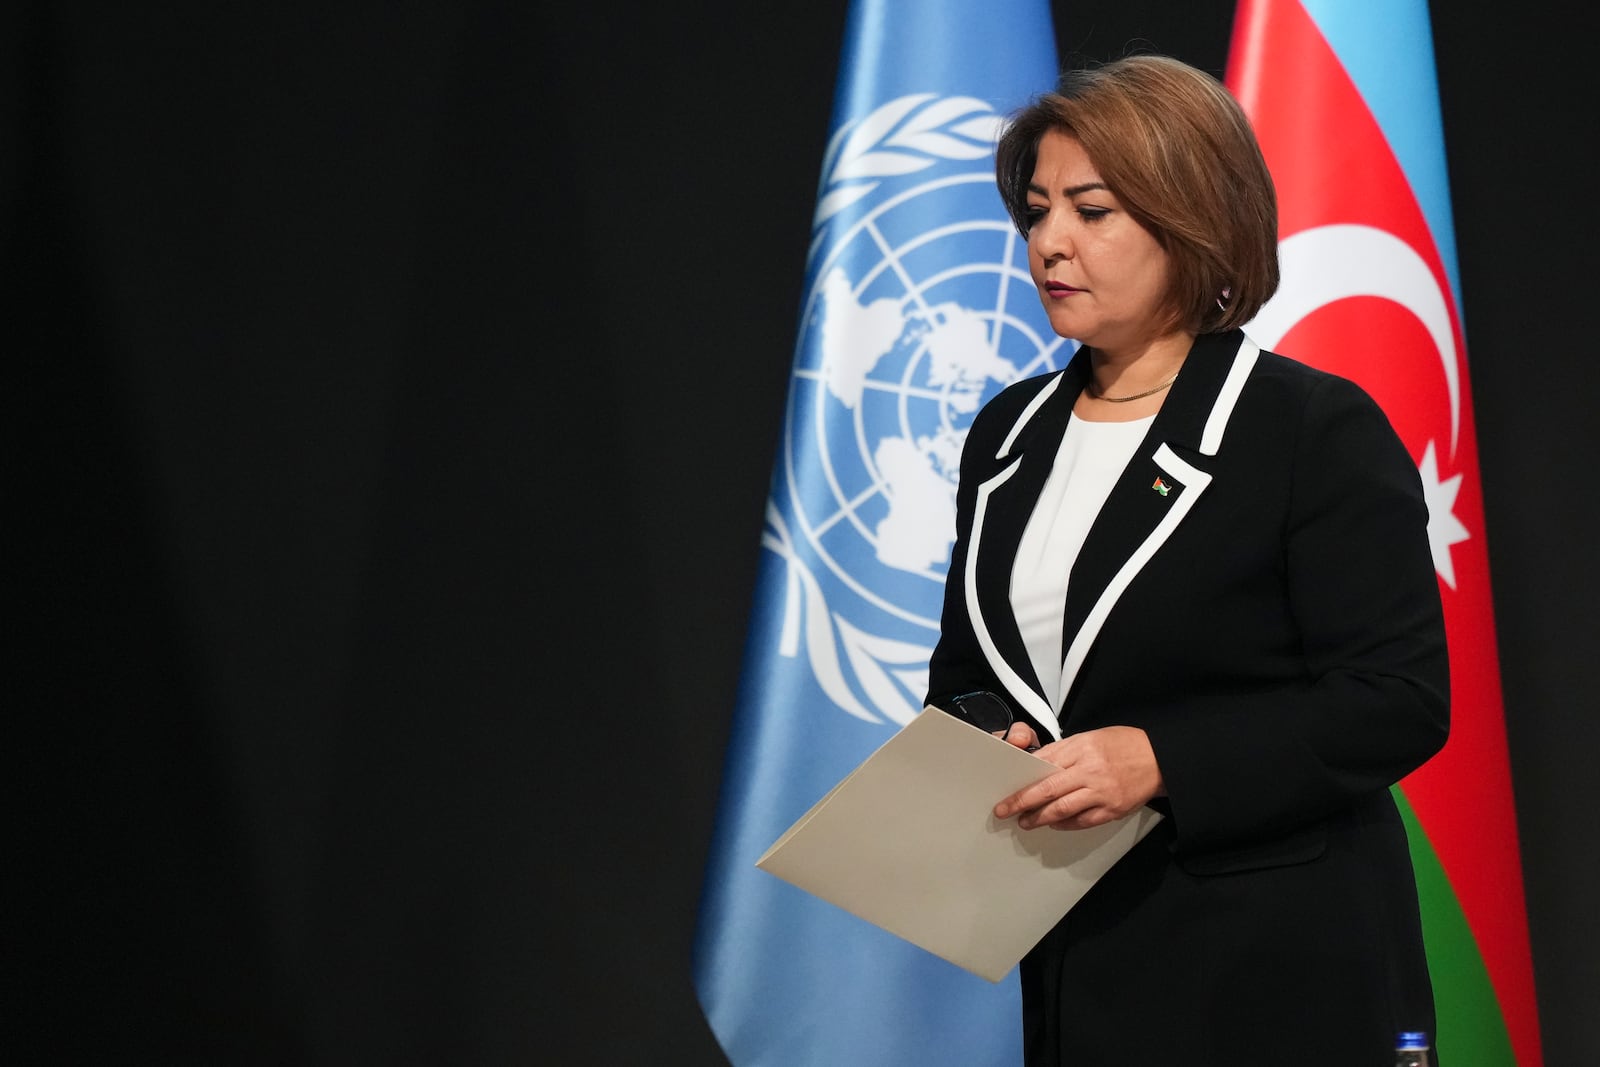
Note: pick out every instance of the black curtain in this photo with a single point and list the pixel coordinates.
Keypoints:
(390, 396)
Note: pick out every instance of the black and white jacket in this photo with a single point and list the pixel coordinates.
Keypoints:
(1257, 593)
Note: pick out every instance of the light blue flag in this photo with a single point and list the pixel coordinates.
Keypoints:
(918, 308)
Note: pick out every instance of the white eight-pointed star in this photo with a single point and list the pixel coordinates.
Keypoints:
(1444, 529)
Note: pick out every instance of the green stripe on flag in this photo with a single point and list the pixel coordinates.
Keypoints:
(1472, 1030)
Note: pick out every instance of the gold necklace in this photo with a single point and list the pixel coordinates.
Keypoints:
(1094, 392)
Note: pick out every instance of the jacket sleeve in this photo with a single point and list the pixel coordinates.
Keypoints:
(1362, 593)
(958, 665)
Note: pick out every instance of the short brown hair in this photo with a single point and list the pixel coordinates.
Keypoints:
(1176, 149)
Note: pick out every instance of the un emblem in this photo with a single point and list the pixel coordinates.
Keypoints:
(918, 309)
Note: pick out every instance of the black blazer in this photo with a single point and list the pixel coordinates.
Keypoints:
(1258, 594)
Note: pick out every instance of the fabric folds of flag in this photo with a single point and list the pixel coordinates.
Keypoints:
(917, 308)
(1345, 102)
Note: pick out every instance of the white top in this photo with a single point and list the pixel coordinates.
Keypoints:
(1092, 456)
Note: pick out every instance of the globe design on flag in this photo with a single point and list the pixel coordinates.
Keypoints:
(919, 309)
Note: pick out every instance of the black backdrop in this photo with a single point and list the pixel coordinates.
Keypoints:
(390, 394)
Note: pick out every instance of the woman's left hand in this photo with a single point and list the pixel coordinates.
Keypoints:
(1104, 774)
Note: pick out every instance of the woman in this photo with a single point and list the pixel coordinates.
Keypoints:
(1206, 569)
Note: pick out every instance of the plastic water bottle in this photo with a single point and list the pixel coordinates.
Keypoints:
(1411, 1049)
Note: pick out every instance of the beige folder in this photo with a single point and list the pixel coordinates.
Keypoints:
(909, 842)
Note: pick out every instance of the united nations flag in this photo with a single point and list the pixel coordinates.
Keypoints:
(918, 307)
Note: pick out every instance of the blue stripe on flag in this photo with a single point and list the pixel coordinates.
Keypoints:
(1387, 49)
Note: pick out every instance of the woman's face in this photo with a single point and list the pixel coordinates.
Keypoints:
(1102, 277)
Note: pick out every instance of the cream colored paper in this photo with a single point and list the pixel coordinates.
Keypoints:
(908, 842)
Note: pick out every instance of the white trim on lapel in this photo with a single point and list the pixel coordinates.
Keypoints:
(1244, 361)
(1027, 413)
(1194, 482)
(1037, 705)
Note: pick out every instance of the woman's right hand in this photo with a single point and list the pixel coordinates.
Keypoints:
(1021, 735)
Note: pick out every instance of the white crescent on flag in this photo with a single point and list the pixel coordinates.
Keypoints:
(1329, 263)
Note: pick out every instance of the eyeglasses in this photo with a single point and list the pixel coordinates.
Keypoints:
(983, 709)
